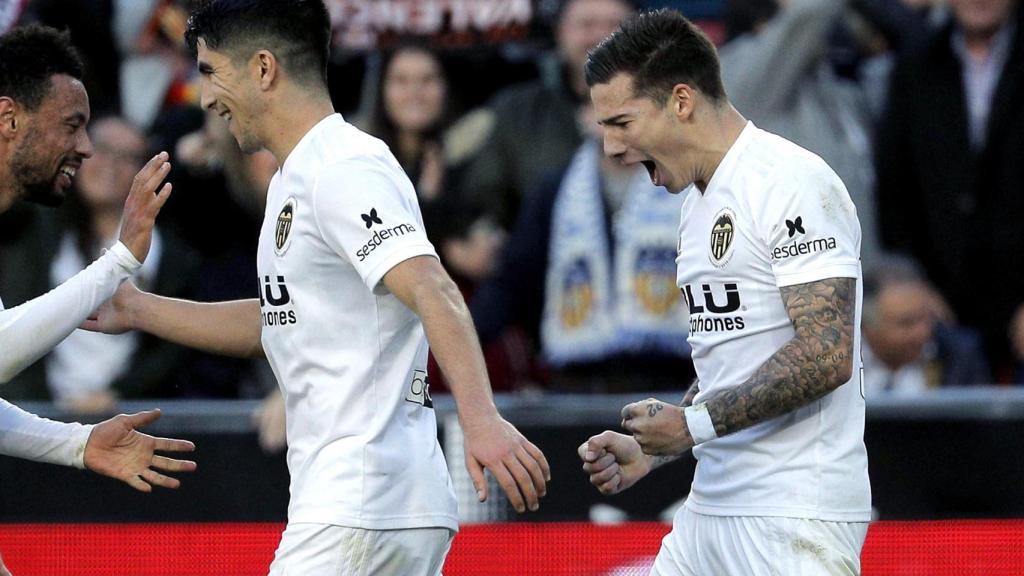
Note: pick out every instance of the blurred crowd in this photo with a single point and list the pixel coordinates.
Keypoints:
(567, 259)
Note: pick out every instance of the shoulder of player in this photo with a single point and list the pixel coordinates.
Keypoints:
(788, 171)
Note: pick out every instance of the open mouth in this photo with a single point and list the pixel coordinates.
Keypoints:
(652, 170)
(66, 174)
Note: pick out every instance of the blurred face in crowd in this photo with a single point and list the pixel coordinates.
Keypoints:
(902, 324)
(636, 129)
(52, 142)
(584, 23)
(414, 90)
(105, 180)
(229, 90)
(982, 17)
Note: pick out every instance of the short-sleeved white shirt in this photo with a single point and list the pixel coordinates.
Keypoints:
(773, 215)
(350, 358)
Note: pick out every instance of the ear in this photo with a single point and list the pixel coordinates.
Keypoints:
(266, 69)
(683, 100)
(9, 118)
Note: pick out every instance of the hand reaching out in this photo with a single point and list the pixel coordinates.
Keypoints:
(113, 316)
(117, 449)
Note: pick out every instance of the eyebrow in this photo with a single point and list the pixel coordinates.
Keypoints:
(617, 119)
(77, 118)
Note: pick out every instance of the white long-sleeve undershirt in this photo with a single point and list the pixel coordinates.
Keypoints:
(29, 331)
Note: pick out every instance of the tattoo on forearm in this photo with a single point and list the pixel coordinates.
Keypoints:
(815, 362)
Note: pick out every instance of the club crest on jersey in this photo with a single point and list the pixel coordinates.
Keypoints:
(283, 229)
(654, 279)
(577, 295)
(723, 231)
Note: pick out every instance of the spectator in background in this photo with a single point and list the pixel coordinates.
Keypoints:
(410, 113)
(776, 70)
(907, 349)
(156, 70)
(535, 129)
(590, 265)
(87, 372)
(948, 155)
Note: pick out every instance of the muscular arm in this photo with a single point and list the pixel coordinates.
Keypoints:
(490, 442)
(816, 361)
(226, 328)
(423, 285)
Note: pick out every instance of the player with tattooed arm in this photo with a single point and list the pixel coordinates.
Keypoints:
(769, 267)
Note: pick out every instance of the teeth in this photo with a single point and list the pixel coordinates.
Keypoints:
(68, 171)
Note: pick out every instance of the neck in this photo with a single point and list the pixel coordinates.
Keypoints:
(291, 117)
(979, 42)
(723, 127)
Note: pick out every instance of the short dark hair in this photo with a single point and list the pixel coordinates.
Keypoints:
(659, 49)
(297, 32)
(29, 57)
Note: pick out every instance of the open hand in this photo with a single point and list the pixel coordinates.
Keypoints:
(117, 449)
(144, 202)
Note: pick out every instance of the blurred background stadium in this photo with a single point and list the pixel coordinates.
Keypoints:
(481, 102)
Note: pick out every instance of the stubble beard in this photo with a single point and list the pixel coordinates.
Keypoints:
(31, 182)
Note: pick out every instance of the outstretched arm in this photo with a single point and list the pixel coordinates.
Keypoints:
(491, 442)
(30, 330)
(112, 448)
(815, 361)
(226, 328)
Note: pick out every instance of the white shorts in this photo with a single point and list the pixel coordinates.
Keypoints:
(326, 550)
(701, 545)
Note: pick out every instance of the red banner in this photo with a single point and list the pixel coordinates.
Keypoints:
(961, 548)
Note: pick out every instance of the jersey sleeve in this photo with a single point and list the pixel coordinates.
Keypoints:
(811, 228)
(368, 213)
(30, 330)
(25, 435)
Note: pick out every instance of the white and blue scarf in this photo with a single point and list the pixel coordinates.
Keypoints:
(592, 311)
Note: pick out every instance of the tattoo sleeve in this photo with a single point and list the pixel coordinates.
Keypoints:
(816, 361)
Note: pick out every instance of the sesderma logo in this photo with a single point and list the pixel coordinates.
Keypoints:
(380, 236)
(801, 248)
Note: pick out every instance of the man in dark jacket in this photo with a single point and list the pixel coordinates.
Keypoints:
(949, 165)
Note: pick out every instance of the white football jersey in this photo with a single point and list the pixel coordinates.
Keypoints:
(350, 358)
(773, 215)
